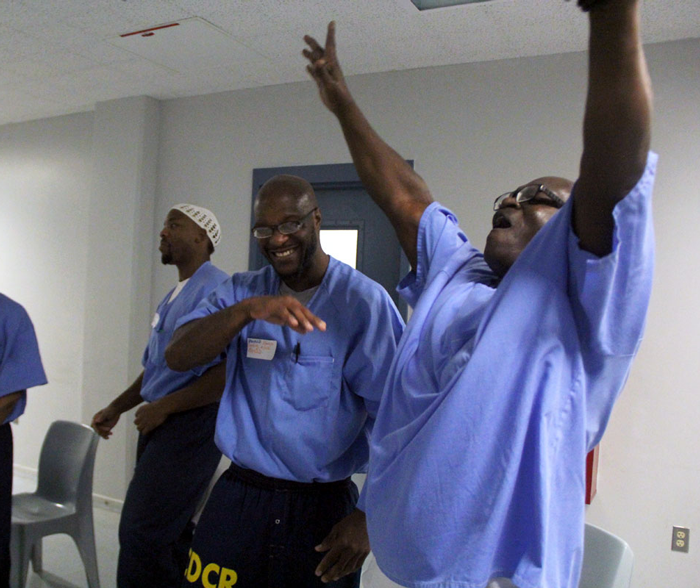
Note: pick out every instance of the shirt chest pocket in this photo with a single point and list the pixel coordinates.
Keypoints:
(310, 381)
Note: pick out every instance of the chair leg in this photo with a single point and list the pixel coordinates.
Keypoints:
(37, 560)
(19, 549)
(85, 540)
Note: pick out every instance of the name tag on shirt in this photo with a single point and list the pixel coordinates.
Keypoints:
(261, 348)
(156, 318)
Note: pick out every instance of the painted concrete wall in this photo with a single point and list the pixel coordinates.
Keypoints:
(45, 191)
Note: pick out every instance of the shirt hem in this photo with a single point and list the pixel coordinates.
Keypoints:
(515, 579)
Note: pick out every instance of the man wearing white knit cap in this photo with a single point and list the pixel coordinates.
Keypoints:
(176, 455)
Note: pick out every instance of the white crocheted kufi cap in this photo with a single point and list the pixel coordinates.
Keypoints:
(204, 218)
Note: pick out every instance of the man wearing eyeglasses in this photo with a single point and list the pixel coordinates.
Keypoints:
(512, 360)
(308, 343)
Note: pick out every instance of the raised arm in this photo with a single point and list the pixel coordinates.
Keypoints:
(399, 191)
(202, 340)
(617, 122)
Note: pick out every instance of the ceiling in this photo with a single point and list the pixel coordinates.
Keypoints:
(60, 56)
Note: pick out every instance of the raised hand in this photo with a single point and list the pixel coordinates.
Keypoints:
(285, 311)
(325, 70)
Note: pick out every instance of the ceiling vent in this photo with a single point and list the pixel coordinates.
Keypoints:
(186, 45)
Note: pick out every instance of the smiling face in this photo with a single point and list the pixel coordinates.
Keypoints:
(179, 238)
(515, 224)
(286, 199)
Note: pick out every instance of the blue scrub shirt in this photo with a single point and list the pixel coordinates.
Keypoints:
(305, 413)
(477, 463)
(20, 362)
(158, 379)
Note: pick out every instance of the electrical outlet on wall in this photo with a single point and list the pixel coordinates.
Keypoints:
(681, 539)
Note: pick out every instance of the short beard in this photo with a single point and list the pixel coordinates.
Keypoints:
(166, 258)
(307, 260)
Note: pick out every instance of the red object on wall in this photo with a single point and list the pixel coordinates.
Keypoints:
(592, 473)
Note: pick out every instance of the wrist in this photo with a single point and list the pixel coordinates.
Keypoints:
(610, 10)
(246, 308)
(344, 105)
(358, 512)
(163, 405)
(115, 409)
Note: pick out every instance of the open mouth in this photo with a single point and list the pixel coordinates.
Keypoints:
(500, 221)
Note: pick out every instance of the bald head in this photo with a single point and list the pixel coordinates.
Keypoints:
(288, 188)
(561, 186)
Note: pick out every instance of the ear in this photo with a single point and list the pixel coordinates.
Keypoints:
(318, 217)
(201, 236)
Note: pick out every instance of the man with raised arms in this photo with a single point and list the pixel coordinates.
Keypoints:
(512, 360)
(308, 343)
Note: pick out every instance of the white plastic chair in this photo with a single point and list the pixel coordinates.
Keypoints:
(62, 502)
(607, 560)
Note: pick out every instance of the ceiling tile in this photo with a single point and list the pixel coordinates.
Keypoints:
(55, 53)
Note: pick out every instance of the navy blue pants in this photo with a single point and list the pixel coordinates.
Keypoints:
(175, 463)
(260, 532)
(5, 502)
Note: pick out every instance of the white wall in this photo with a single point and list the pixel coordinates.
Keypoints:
(118, 288)
(475, 131)
(45, 187)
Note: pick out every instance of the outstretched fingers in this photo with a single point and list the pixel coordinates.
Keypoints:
(286, 311)
(306, 321)
(316, 49)
(330, 42)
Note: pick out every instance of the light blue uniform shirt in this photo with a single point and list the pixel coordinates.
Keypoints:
(308, 417)
(20, 362)
(158, 379)
(477, 463)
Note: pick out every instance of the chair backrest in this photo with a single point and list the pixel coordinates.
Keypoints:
(66, 463)
(607, 560)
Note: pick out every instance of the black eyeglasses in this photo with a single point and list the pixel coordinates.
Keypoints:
(528, 193)
(288, 228)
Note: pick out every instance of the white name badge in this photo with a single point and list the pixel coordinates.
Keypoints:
(262, 348)
(156, 318)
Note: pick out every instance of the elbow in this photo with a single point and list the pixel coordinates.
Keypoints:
(175, 360)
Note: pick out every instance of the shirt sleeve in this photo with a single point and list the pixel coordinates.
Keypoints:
(20, 362)
(611, 294)
(221, 297)
(609, 299)
(367, 365)
(439, 240)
